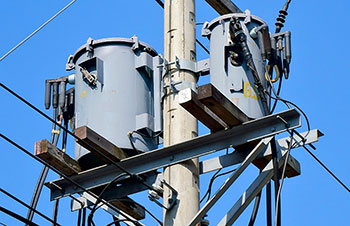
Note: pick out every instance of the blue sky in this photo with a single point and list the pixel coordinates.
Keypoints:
(318, 84)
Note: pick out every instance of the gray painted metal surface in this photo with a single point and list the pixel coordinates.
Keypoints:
(235, 82)
(236, 157)
(117, 87)
(252, 155)
(127, 188)
(88, 199)
(146, 162)
(253, 190)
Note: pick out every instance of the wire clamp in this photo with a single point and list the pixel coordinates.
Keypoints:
(155, 196)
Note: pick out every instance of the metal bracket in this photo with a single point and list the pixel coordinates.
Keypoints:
(178, 86)
(248, 17)
(153, 196)
(89, 48)
(69, 65)
(199, 68)
(205, 30)
(136, 44)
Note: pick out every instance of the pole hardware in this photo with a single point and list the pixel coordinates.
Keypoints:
(281, 43)
(155, 196)
(61, 98)
(239, 38)
(89, 48)
(70, 65)
(90, 77)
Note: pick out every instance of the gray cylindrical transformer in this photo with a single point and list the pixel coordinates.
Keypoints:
(117, 86)
(235, 82)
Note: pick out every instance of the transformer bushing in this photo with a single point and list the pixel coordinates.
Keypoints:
(117, 86)
(228, 69)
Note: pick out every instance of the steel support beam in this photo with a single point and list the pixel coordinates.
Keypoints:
(117, 192)
(199, 146)
(252, 155)
(242, 203)
(236, 157)
(224, 6)
(88, 199)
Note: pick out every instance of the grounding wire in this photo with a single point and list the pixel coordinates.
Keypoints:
(76, 137)
(61, 174)
(26, 205)
(161, 4)
(37, 30)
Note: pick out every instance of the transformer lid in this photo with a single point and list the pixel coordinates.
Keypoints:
(133, 42)
(209, 26)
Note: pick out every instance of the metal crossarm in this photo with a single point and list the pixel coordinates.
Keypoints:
(153, 160)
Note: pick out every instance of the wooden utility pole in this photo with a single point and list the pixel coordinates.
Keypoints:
(179, 125)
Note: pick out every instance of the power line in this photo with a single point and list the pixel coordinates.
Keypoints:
(327, 169)
(18, 217)
(76, 137)
(27, 206)
(61, 174)
(36, 31)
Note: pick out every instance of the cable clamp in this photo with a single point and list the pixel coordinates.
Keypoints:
(154, 195)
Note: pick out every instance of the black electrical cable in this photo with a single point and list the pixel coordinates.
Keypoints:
(76, 137)
(42, 176)
(79, 218)
(277, 204)
(55, 211)
(116, 221)
(37, 30)
(203, 47)
(142, 207)
(18, 217)
(268, 205)
(61, 174)
(161, 4)
(278, 93)
(27, 206)
(296, 106)
(84, 217)
(255, 210)
(209, 186)
(91, 215)
(327, 169)
(214, 177)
